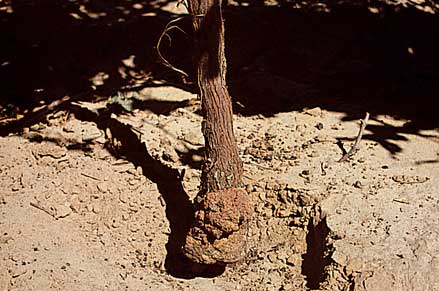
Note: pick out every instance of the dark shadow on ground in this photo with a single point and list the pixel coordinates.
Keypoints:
(315, 260)
(54, 48)
(179, 209)
(345, 59)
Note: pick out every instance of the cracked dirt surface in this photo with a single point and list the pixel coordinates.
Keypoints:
(77, 216)
(97, 199)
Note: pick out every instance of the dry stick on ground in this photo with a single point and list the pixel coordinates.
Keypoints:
(48, 210)
(356, 145)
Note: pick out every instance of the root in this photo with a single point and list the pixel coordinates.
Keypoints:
(219, 233)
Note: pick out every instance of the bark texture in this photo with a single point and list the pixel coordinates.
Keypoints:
(222, 208)
(222, 167)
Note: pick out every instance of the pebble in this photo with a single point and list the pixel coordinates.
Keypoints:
(115, 223)
(102, 187)
(294, 260)
(282, 213)
(97, 208)
(123, 197)
(134, 227)
(358, 184)
(272, 258)
(283, 196)
(306, 200)
(316, 111)
(263, 196)
(270, 185)
(75, 204)
(132, 182)
(63, 211)
(319, 126)
(354, 265)
(249, 188)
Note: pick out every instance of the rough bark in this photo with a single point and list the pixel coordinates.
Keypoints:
(222, 208)
(222, 167)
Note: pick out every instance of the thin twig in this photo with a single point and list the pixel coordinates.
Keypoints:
(356, 145)
(41, 207)
(90, 176)
(400, 201)
(169, 27)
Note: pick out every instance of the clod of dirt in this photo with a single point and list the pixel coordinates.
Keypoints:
(219, 233)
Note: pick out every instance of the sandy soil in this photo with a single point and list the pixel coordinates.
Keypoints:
(97, 196)
(74, 216)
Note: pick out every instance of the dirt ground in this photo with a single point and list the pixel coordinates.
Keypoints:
(74, 216)
(96, 194)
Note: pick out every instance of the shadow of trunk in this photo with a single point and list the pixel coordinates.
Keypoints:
(179, 209)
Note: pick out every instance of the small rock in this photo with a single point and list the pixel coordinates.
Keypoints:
(305, 172)
(115, 223)
(306, 200)
(282, 213)
(358, 184)
(297, 221)
(270, 185)
(339, 258)
(134, 227)
(97, 208)
(123, 197)
(63, 211)
(55, 152)
(102, 187)
(268, 157)
(272, 258)
(354, 265)
(294, 260)
(75, 204)
(170, 156)
(319, 126)
(122, 166)
(316, 111)
(263, 196)
(132, 182)
(282, 196)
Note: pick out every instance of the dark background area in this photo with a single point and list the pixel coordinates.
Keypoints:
(345, 57)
